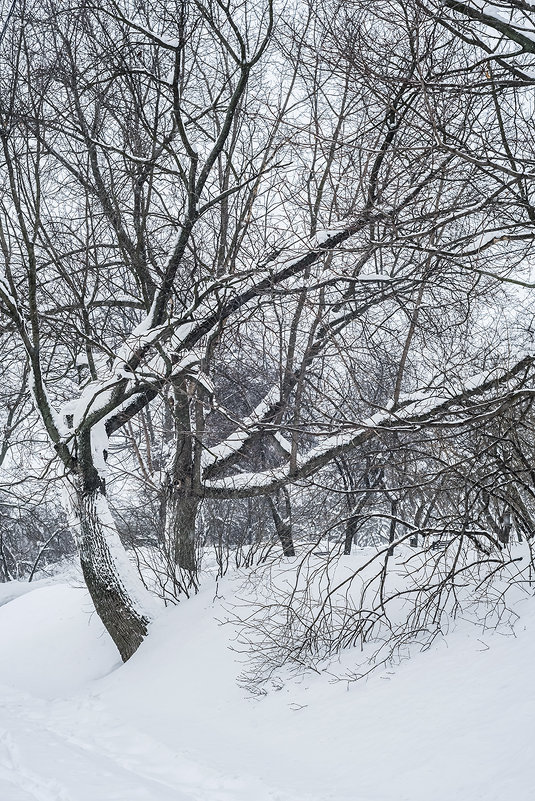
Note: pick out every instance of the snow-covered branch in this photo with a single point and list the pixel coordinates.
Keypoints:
(418, 409)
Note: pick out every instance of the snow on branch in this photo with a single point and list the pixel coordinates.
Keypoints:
(490, 15)
(180, 336)
(217, 454)
(423, 407)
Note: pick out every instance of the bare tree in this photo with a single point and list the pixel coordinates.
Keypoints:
(267, 233)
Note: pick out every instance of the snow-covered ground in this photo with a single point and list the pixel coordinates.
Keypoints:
(454, 722)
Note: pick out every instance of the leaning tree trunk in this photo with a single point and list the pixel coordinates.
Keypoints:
(121, 601)
(116, 591)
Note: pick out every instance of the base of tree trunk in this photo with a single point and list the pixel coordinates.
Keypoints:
(126, 627)
(115, 588)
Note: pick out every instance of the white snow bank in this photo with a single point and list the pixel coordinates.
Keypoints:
(14, 589)
(173, 725)
(53, 643)
(450, 723)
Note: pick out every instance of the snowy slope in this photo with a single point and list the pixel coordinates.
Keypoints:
(173, 725)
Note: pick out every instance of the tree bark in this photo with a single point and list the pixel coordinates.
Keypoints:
(351, 529)
(392, 531)
(116, 590)
(180, 527)
(283, 525)
(181, 504)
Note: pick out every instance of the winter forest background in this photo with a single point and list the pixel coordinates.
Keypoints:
(267, 310)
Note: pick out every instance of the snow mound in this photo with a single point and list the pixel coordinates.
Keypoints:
(173, 725)
(452, 722)
(53, 643)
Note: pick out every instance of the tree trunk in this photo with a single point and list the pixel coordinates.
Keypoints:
(283, 525)
(284, 531)
(392, 532)
(181, 505)
(119, 597)
(180, 530)
(351, 529)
